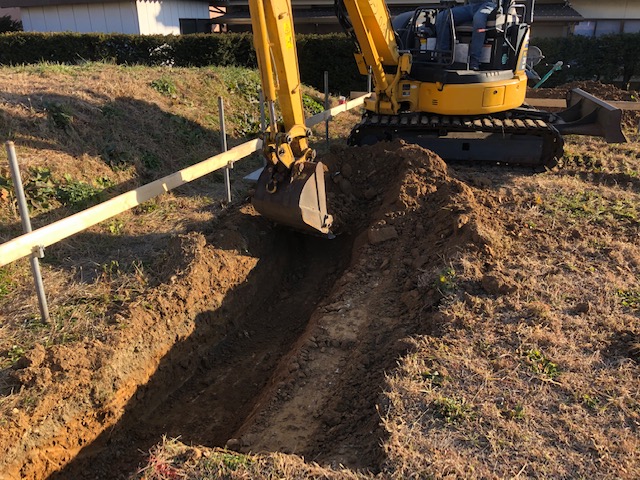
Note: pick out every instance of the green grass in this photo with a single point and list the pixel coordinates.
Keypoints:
(540, 364)
(592, 207)
(453, 409)
(629, 298)
(311, 105)
(6, 282)
(241, 81)
(165, 86)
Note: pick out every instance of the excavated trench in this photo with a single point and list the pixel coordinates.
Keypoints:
(205, 388)
(262, 339)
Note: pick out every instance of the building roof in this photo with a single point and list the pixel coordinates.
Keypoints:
(239, 15)
(556, 12)
(51, 3)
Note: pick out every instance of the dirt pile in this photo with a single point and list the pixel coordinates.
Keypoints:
(605, 91)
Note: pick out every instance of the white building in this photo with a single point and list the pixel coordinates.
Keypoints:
(552, 18)
(113, 16)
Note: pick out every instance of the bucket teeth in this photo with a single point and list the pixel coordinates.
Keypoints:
(299, 200)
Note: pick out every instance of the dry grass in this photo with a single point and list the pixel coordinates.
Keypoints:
(87, 133)
(539, 380)
(172, 459)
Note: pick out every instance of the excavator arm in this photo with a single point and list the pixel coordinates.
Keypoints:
(291, 187)
(372, 27)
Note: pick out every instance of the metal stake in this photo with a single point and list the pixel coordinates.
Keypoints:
(223, 141)
(26, 227)
(263, 121)
(326, 105)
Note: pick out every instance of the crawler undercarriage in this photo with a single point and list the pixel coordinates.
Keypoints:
(522, 136)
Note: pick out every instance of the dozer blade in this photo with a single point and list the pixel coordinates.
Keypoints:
(588, 115)
(300, 200)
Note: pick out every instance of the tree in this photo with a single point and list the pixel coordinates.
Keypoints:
(8, 24)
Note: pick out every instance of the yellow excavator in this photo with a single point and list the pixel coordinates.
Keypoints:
(424, 93)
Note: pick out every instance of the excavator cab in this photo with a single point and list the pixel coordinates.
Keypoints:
(504, 32)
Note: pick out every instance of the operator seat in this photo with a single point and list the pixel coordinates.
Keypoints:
(504, 15)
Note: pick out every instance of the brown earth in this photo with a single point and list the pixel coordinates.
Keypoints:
(468, 322)
(324, 401)
(601, 90)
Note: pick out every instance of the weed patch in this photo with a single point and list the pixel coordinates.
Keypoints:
(591, 401)
(60, 115)
(76, 193)
(246, 124)
(15, 353)
(541, 365)
(445, 282)
(40, 189)
(453, 409)
(515, 413)
(435, 378)
(629, 298)
(164, 86)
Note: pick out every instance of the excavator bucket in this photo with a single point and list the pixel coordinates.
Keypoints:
(588, 115)
(300, 202)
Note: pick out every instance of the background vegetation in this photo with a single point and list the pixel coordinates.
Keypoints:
(317, 53)
(609, 58)
(8, 24)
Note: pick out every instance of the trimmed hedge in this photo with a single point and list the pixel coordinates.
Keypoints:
(607, 58)
(317, 53)
(610, 58)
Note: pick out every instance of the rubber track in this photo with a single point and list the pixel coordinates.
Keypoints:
(406, 126)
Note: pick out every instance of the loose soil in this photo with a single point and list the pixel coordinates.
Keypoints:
(467, 322)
